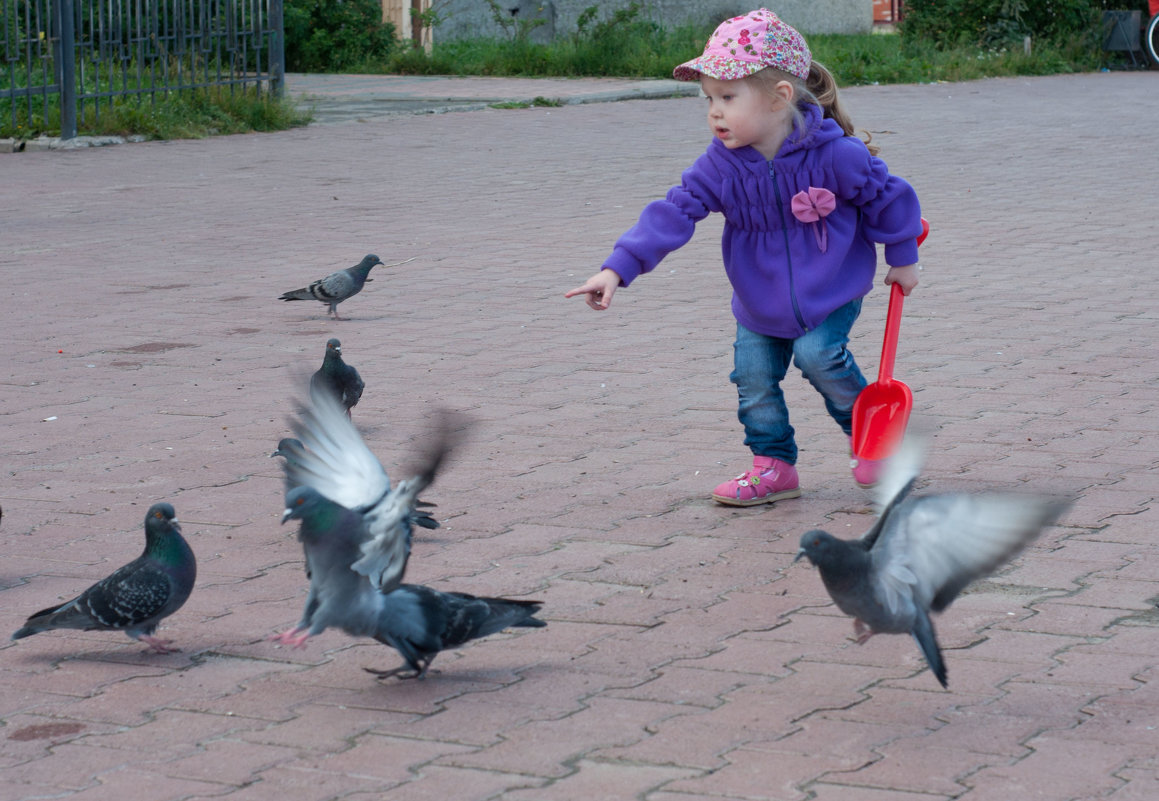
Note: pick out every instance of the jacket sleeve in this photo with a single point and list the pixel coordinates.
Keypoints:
(889, 206)
(666, 225)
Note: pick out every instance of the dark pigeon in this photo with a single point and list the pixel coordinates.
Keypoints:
(419, 622)
(338, 377)
(338, 286)
(355, 528)
(921, 553)
(138, 596)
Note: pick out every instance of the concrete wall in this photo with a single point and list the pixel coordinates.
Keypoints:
(472, 18)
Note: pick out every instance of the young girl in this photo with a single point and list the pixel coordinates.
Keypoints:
(804, 202)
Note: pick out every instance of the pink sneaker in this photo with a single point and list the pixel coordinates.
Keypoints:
(866, 472)
(769, 480)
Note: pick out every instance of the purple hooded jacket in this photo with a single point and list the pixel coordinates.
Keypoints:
(783, 284)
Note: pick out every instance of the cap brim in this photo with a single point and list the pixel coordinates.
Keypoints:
(719, 67)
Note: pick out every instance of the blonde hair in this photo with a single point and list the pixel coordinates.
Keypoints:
(821, 90)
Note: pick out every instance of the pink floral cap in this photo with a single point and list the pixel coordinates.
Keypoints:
(746, 44)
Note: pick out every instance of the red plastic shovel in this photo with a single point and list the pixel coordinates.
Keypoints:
(881, 411)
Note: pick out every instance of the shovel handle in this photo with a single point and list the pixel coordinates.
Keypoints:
(893, 322)
(889, 344)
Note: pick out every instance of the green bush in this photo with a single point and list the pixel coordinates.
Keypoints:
(987, 23)
(336, 35)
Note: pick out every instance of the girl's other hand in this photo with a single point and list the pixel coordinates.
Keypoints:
(599, 289)
(906, 277)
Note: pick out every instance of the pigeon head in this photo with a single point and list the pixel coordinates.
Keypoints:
(301, 503)
(820, 547)
(288, 447)
(333, 346)
(163, 540)
(159, 520)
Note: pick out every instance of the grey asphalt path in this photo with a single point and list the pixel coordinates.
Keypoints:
(686, 657)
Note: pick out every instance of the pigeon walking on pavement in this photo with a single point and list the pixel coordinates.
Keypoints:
(136, 597)
(418, 622)
(355, 527)
(338, 286)
(921, 553)
(338, 377)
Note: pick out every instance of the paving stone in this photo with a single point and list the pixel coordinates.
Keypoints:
(681, 637)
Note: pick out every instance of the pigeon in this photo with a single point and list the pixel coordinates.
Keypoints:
(292, 449)
(338, 286)
(289, 447)
(921, 553)
(418, 622)
(338, 377)
(355, 528)
(136, 597)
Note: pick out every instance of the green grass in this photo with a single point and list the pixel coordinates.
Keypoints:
(188, 114)
(853, 59)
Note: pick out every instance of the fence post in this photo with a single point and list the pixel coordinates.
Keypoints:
(66, 67)
(277, 49)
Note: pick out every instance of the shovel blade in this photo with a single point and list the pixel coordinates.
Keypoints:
(880, 415)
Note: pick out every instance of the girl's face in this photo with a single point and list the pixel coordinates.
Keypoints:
(740, 114)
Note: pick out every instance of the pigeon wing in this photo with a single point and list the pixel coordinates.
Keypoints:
(390, 520)
(133, 595)
(947, 541)
(334, 287)
(336, 461)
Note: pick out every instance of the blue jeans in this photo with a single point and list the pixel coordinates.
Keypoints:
(761, 363)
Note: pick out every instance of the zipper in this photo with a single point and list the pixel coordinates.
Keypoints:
(788, 255)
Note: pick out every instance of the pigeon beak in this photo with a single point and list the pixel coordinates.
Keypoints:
(275, 453)
(800, 553)
(175, 526)
(286, 515)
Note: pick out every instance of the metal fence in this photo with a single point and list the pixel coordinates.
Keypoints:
(74, 58)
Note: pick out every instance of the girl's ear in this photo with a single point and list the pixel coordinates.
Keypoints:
(784, 92)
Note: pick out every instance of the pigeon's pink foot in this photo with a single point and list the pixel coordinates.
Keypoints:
(861, 632)
(157, 645)
(283, 635)
(295, 637)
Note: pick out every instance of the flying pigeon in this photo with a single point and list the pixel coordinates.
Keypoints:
(136, 597)
(921, 553)
(292, 448)
(419, 622)
(355, 528)
(338, 377)
(338, 286)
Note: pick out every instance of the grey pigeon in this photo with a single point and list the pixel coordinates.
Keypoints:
(921, 553)
(136, 597)
(338, 377)
(355, 528)
(338, 286)
(419, 622)
(288, 447)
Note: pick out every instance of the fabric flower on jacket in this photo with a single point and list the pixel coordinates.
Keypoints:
(813, 206)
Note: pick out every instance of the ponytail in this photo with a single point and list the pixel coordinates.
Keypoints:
(823, 88)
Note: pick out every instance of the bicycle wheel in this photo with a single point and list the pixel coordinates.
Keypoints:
(1151, 40)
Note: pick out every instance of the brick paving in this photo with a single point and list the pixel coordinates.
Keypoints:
(686, 658)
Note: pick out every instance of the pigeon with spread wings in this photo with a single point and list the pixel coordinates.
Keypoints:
(922, 552)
